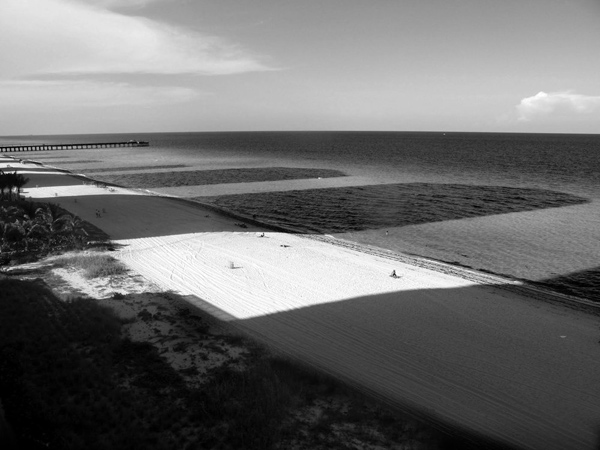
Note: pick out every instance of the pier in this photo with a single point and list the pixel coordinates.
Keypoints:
(43, 147)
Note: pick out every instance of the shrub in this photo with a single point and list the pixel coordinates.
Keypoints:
(94, 265)
(37, 228)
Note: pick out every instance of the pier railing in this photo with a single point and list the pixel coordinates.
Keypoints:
(43, 147)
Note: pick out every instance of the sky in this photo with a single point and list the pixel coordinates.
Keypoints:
(120, 66)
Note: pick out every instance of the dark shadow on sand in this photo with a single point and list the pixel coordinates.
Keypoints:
(44, 179)
(451, 356)
(222, 176)
(357, 208)
(73, 161)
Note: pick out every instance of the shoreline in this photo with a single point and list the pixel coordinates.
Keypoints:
(466, 354)
(541, 244)
(511, 284)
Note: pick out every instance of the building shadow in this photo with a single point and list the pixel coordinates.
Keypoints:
(490, 371)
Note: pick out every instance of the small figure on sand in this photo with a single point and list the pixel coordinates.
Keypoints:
(261, 235)
(393, 275)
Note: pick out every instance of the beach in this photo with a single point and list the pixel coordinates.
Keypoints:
(523, 206)
(451, 345)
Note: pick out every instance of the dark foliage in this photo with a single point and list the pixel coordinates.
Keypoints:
(12, 184)
(36, 228)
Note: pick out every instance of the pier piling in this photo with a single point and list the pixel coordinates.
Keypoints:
(44, 147)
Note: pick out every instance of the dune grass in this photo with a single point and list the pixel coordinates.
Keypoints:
(94, 265)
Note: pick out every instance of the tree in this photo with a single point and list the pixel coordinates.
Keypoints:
(3, 183)
(18, 182)
(10, 181)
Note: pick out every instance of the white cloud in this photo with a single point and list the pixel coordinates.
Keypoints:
(546, 105)
(120, 3)
(75, 37)
(64, 95)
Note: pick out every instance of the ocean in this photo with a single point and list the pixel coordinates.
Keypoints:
(525, 206)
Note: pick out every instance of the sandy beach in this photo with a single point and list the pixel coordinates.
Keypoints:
(452, 346)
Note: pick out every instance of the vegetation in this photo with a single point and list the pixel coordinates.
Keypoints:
(36, 228)
(12, 184)
(94, 265)
(29, 227)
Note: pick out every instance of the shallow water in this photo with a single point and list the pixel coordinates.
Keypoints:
(520, 205)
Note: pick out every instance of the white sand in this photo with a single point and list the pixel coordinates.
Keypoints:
(464, 353)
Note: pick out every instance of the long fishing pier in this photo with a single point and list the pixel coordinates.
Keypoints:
(43, 147)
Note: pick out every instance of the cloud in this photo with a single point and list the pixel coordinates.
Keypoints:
(64, 95)
(126, 5)
(41, 37)
(547, 105)
(120, 3)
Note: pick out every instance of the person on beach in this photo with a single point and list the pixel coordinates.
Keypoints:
(393, 275)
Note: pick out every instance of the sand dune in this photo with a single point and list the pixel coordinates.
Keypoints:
(460, 352)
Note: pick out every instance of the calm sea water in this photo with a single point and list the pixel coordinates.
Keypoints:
(523, 205)
(556, 161)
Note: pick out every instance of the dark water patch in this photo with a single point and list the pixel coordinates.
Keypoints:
(583, 284)
(224, 176)
(124, 169)
(33, 168)
(50, 157)
(358, 208)
(80, 161)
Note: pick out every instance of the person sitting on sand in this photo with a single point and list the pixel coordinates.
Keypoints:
(393, 275)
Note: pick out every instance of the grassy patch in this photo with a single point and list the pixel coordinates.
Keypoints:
(93, 265)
